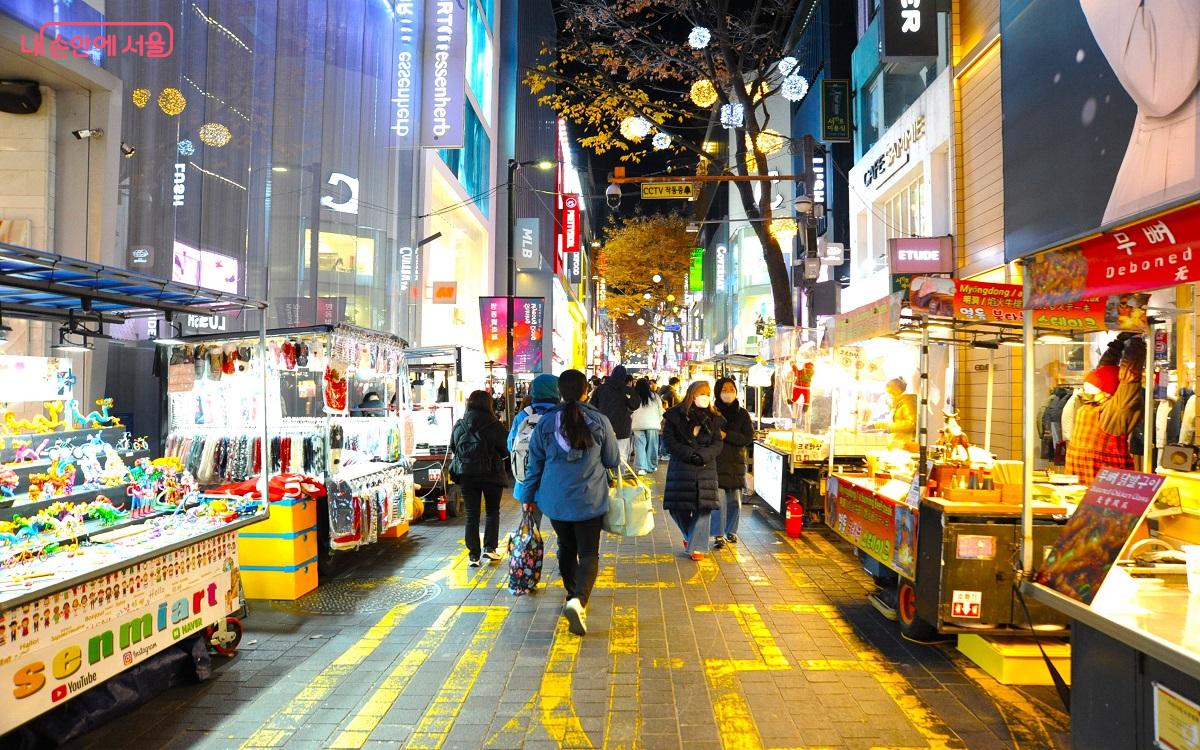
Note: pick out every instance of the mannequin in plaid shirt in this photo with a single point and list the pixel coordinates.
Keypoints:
(1109, 408)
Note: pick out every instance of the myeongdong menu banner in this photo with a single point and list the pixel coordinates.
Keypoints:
(987, 302)
(1103, 122)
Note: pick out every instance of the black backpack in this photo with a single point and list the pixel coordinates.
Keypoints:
(472, 457)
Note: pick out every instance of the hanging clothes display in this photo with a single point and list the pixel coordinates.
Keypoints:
(363, 501)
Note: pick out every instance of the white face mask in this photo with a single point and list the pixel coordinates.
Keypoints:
(703, 401)
(728, 398)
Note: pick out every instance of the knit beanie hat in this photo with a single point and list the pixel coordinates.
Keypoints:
(1105, 377)
(544, 388)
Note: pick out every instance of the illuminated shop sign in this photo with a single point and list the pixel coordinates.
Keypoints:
(445, 58)
(909, 30)
(527, 235)
(407, 23)
(203, 268)
(350, 204)
(896, 155)
(177, 189)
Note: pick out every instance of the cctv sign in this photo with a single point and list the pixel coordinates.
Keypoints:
(916, 255)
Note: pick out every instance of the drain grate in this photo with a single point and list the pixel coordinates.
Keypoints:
(351, 596)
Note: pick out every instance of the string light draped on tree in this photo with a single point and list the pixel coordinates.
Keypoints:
(699, 38)
(661, 141)
(635, 128)
(733, 116)
(703, 93)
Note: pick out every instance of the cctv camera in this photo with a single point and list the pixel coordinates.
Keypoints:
(613, 196)
(87, 133)
(127, 151)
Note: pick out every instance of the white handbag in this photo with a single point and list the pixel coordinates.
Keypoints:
(630, 508)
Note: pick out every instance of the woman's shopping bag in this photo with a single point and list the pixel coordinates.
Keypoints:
(630, 510)
(525, 553)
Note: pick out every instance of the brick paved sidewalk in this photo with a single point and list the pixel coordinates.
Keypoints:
(767, 644)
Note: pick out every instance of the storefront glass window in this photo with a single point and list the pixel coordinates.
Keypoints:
(472, 163)
(904, 213)
(479, 58)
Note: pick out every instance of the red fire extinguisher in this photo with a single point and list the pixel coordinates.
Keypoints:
(794, 517)
(442, 507)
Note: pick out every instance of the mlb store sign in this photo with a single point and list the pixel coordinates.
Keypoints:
(65, 643)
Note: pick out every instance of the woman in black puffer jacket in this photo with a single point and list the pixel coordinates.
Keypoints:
(694, 433)
(731, 464)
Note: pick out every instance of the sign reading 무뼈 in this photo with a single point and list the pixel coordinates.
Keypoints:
(869, 321)
(1097, 532)
(668, 190)
(493, 316)
(445, 61)
(59, 646)
(835, 110)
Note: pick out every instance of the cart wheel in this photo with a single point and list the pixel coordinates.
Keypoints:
(911, 624)
(226, 648)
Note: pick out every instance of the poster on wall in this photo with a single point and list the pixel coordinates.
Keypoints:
(57, 647)
(1105, 124)
(493, 317)
(528, 329)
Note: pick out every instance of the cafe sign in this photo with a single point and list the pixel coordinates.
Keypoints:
(895, 155)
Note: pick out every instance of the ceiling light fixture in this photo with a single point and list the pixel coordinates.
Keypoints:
(1055, 338)
(66, 346)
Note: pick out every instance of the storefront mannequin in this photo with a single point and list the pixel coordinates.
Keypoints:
(1108, 408)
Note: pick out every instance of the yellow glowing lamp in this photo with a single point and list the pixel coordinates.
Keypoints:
(703, 93)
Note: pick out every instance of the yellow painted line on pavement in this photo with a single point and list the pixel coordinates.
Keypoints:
(372, 712)
(457, 575)
(1023, 719)
(707, 571)
(278, 728)
(798, 578)
(770, 656)
(623, 648)
(607, 579)
(645, 558)
(435, 725)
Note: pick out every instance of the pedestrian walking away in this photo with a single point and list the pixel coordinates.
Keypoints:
(616, 399)
(478, 445)
(647, 424)
(570, 452)
(693, 433)
(731, 463)
(544, 394)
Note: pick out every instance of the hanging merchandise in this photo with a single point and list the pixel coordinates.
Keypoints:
(336, 387)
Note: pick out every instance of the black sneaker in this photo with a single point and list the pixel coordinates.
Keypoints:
(731, 538)
(718, 542)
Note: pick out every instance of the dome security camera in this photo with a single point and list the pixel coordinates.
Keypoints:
(613, 196)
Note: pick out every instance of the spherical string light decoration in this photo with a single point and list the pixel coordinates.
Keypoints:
(703, 93)
(787, 65)
(171, 101)
(647, 295)
(794, 88)
(661, 141)
(635, 128)
(732, 116)
(699, 37)
(140, 97)
(215, 134)
(185, 147)
(768, 141)
(641, 321)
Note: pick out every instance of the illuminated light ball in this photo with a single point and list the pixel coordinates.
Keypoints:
(768, 141)
(661, 141)
(140, 97)
(703, 93)
(186, 147)
(635, 128)
(671, 298)
(794, 88)
(647, 295)
(787, 65)
(784, 229)
(732, 116)
(641, 321)
(215, 134)
(656, 278)
(699, 37)
(171, 101)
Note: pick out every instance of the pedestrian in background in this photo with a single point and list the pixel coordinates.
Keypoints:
(543, 394)
(569, 453)
(478, 444)
(669, 394)
(694, 432)
(731, 463)
(647, 423)
(616, 400)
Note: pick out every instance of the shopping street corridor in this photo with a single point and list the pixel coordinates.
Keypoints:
(769, 643)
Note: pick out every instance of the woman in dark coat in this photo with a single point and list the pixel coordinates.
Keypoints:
(479, 444)
(693, 432)
(731, 464)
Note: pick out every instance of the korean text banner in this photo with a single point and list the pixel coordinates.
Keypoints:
(528, 329)
(493, 317)
(1102, 123)
(987, 302)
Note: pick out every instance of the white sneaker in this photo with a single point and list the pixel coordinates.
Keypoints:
(492, 555)
(642, 472)
(474, 563)
(576, 618)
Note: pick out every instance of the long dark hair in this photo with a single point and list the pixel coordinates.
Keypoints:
(572, 387)
(686, 404)
(481, 401)
(643, 390)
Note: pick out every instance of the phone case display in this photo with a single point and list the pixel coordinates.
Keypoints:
(364, 502)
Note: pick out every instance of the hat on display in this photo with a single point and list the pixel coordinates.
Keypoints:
(1104, 377)
(544, 388)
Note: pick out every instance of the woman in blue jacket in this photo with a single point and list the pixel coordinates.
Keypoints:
(544, 392)
(567, 480)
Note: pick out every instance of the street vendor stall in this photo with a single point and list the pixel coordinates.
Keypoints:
(1126, 568)
(108, 554)
(934, 518)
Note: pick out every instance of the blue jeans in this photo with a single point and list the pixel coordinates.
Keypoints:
(645, 450)
(695, 526)
(730, 512)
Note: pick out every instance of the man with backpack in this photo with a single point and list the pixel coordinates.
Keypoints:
(617, 400)
(544, 392)
(477, 442)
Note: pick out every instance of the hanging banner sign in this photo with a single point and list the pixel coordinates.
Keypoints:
(879, 318)
(1140, 257)
(24, 379)
(528, 330)
(71, 641)
(570, 223)
(443, 100)
(493, 316)
(835, 110)
(696, 270)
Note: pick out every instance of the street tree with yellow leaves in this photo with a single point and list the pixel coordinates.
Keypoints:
(636, 251)
(643, 75)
